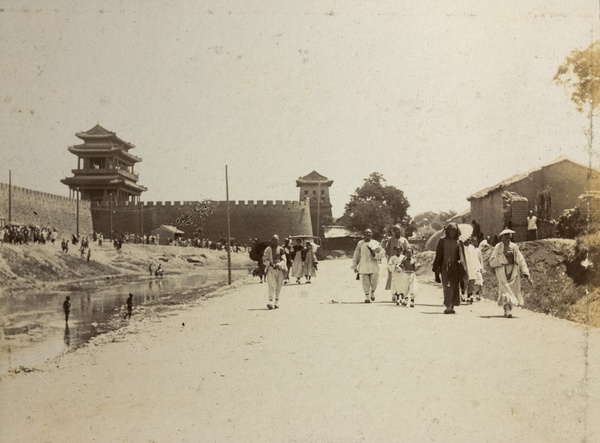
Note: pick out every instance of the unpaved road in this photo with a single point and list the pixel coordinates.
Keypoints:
(323, 367)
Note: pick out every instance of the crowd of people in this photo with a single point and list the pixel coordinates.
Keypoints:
(20, 234)
(458, 266)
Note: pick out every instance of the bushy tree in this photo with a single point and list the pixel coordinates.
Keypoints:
(377, 205)
(428, 223)
(572, 223)
(580, 75)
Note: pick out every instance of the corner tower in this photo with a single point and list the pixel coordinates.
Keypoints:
(315, 187)
(105, 168)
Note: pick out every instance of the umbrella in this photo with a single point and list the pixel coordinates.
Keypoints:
(465, 232)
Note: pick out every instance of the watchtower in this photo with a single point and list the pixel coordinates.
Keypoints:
(105, 168)
(315, 187)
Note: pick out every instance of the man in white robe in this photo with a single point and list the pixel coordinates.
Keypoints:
(508, 263)
(275, 269)
(365, 262)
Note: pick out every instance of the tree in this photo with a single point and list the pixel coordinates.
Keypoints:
(428, 223)
(377, 206)
(580, 75)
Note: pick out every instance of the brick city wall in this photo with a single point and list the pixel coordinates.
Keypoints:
(37, 208)
(260, 219)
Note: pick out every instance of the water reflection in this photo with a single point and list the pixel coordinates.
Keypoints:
(33, 327)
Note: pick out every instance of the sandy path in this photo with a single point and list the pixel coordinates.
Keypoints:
(318, 371)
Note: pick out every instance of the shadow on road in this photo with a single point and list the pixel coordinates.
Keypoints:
(495, 316)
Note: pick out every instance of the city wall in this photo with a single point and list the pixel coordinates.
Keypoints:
(41, 209)
(249, 220)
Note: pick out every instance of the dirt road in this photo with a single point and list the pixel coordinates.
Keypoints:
(323, 367)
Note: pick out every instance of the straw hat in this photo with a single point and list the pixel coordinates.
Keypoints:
(506, 231)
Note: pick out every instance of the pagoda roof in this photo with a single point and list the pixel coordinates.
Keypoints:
(99, 133)
(102, 180)
(102, 149)
(314, 178)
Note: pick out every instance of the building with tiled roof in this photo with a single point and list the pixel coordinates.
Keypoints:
(315, 187)
(105, 168)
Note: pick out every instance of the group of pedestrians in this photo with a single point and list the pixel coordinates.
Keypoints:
(301, 261)
(458, 266)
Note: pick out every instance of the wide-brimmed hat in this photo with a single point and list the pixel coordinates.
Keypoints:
(506, 231)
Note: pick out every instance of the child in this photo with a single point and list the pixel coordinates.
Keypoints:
(395, 268)
(478, 271)
(129, 306)
(408, 279)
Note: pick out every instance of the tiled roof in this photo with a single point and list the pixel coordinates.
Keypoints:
(518, 177)
(313, 176)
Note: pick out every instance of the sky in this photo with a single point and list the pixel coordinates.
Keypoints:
(442, 98)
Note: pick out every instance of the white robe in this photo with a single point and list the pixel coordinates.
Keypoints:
(363, 262)
(509, 276)
(402, 282)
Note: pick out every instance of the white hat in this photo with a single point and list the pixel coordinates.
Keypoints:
(506, 231)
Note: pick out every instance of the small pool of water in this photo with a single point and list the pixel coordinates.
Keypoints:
(33, 328)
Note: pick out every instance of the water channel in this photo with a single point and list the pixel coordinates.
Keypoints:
(33, 328)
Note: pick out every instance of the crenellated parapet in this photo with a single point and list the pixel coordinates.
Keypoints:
(17, 191)
(249, 219)
(259, 204)
(36, 208)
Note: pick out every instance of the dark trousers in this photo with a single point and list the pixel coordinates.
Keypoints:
(531, 234)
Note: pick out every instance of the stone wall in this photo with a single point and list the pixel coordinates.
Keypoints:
(37, 208)
(260, 219)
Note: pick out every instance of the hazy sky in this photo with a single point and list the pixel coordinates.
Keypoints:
(442, 98)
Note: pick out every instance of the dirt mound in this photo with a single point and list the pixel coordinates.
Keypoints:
(558, 290)
(554, 292)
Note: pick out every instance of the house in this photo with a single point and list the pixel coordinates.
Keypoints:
(463, 217)
(167, 234)
(564, 180)
(340, 238)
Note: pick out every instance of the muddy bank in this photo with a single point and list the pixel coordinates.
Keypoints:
(36, 267)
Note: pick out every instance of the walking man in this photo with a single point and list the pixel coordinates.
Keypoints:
(365, 262)
(275, 268)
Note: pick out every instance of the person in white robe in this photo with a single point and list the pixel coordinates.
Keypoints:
(390, 244)
(275, 270)
(365, 262)
(395, 270)
(508, 264)
(297, 264)
(310, 262)
(479, 270)
(473, 266)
